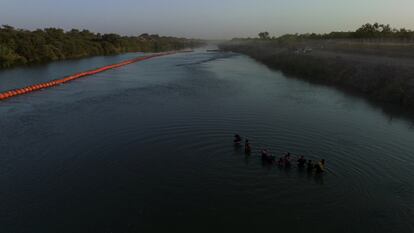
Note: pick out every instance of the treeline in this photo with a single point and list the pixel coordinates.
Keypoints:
(367, 31)
(19, 47)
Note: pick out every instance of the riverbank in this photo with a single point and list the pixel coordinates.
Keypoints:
(380, 77)
(23, 47)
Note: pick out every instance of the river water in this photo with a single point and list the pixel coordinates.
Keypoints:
(148, 148)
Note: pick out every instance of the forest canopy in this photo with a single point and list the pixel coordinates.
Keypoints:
(19, 47)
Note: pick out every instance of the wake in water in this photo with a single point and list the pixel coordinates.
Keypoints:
(215, 57)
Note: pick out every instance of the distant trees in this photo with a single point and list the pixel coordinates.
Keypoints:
(19, 46)
(264, 35)
(374, 31)
(366, 31)
(382, 31)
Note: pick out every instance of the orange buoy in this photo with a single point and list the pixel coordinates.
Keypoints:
(35, 87)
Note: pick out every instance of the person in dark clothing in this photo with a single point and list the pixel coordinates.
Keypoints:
(287, 163)
(301, 161)
(287, 156)
(281, 162)
(247, 147)
(286, 160)
(237, 139)
(310, 165)
(267, 157)
(264, 153)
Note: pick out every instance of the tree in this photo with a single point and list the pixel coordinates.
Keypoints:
(42, 45)
(8, 57)
(264, 35)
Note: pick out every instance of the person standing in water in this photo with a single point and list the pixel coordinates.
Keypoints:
(301, 161)
(287, 160)
(310, 165)
(237, 139)
(266, 156)
(281, 162)
(320, 167)
(247, 147)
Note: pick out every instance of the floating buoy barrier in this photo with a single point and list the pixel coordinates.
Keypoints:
(26, 90)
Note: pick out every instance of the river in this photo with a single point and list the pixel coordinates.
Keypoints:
(148, 148)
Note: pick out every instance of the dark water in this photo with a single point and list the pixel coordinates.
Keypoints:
(148, 148)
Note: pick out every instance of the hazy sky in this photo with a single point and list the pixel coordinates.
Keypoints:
(209, 19)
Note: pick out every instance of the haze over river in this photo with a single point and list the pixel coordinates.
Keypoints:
(148, 148)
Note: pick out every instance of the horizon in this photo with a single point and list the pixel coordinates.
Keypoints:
(213, 21)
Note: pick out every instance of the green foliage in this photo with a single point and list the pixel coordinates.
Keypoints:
(366, 31)
(264, 35)
(8, 57)
(18, 47)
(374, 31)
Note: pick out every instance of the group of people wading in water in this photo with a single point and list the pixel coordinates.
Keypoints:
(285, 161)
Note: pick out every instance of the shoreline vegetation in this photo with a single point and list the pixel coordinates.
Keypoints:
(375, 60)
(24, 47)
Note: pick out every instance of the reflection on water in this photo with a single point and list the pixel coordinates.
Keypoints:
(148, 147)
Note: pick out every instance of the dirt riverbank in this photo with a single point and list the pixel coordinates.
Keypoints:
(379, 76)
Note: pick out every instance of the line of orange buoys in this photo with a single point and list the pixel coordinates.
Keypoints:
(25, 90)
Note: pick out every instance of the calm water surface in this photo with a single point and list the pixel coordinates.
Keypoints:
(148, 148)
